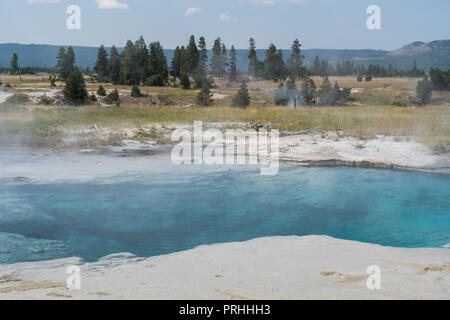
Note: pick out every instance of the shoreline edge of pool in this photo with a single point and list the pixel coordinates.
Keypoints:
(273, 268)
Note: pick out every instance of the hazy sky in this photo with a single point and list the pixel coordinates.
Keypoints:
(317, 23)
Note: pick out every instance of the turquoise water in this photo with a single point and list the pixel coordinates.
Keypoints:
(163, 209)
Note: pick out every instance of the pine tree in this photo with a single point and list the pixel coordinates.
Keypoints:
(233, 67)
(113, 98)
(424, 91)
(129, 74)
(114, 65)
(233, 60)
(101, 91)
(69, 61)
(75, 90)
(295, 64)
(142, 60)
(274, 67)
(253, 59)
(136, 92)
(101, 66)
(203, 57)
(184, 62)
(216, 59)
(61, 58)
(193, 56)
(175, 69)
(185, 81)
(224, 60)
(204, 97)
(242, 98)
(65, 62)
(158, 62)
(15, 65)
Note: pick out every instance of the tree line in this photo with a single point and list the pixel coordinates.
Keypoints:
(349, 68)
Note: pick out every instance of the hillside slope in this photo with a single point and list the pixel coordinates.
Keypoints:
(433, 54)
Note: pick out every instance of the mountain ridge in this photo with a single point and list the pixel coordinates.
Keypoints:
(433, 54)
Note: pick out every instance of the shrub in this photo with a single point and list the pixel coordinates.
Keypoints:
(101, 91)
(113, 97)
(156, 81)
(399, 101)
(52, 81)
(369, 78)
(185, 81)
(19, 98)
(242, 98)
(136, 92)
(359, 78)
(92, 98)
(204, 97)
(7, 85)
(46, 100)
(200, 81)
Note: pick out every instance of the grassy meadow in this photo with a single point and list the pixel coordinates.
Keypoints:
(373, 111)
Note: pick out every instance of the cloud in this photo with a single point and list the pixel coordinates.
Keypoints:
(111, 4)
(225, 17)
(193, 11)
(41, 1)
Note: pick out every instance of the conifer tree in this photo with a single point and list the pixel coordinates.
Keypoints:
(193, 56)
(253, 59)
(224, 60)
(274, 66)
(101, 66)
(242, 98)
(185, 81)
(158, 62)
(203, 57)
(204, 97)
(60, 58)
(75, 89)
(175, 68)
(15, 65)
(101, 91)
(424, 91)
(142, 60)
(216, 59)
(129, 74)
(233, 66)
(114, 65)
(295, 64)
(233, 60)
(69, 61)
(136, 92)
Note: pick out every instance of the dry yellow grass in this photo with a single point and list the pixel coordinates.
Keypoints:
(430, 124)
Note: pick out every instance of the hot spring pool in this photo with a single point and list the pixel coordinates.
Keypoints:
(91, 206)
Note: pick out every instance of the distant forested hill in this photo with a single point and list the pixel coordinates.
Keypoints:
(433, 54)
